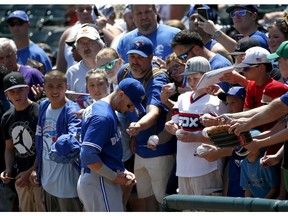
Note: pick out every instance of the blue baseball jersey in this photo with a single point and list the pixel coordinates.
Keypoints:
(101, 139)
(161, 39)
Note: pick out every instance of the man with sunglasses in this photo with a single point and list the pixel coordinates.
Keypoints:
(187, 44)
(244, 18)
(18, 22)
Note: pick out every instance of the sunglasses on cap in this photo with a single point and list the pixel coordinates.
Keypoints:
(110, 65)
(185, 55)
(16, 23)
(240, 13)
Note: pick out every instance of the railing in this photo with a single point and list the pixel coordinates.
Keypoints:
(222, 204)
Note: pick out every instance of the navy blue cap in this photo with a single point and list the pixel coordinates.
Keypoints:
(20, 14)
(142, 46)
(235, 91)
(66, 149)
(252, 8)
(134, 91)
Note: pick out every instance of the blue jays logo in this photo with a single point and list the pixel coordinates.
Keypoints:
(139, 43)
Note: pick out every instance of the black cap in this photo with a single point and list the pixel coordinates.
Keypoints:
(243, 44)
(14, 80)
(252, 8)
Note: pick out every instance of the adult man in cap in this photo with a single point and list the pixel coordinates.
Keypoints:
(18, 22)
(101, 152)
(19, 126)
(152, 166)
(145, 19)
(88, 43)
(244, 18)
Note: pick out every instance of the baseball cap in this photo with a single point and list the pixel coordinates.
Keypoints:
(196, 64)
(282, 51)
(70, 41)
(275, 89)
(89, 32)
(134, 91)
(107, 10)
(65, 150)
(127, 9)
(237, 91)
(243, 44)
(20, 14)
(142, 46)
(193, 10)
(254, 56)
(252, 8)
(14, 80)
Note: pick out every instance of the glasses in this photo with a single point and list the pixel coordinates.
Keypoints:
(174, 68)
(90, 43)
(246, 69)
(240, 13)
(17, 23)
(110, 65)
(185, 55)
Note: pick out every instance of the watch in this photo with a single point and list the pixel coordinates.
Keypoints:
(217, 34)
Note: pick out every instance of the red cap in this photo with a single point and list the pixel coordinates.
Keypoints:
(275, 89)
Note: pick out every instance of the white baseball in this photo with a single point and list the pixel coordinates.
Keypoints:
(153, 140)
(179, 133)
(172, 87)
(201, 150)
(130, 180)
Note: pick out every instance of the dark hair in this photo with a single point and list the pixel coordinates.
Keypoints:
(187, 37)
(55, 74)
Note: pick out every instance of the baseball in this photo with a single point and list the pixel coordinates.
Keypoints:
(179, 133)
(201, 150)
(130, 180)
(153, 140)
(172, 87)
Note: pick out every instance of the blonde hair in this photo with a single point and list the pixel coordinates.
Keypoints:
(107, 51)
(173, 57)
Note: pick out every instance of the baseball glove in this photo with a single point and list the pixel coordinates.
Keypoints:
(221, 138)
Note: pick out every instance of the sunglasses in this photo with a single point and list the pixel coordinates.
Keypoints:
(17, 23)
(246, 69)
(110, 65)
(174, 68)
(185, 55)
(240, 13)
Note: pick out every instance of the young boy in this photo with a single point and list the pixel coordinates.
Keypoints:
(256, 180)
(56, 118)
(19, 124)
(196, 176)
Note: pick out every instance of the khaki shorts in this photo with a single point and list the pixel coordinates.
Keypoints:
(152, 175)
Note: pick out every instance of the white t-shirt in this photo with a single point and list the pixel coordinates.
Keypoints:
(190, 110)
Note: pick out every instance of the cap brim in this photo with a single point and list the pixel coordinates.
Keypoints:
(189, 73)
(140, 107)
(243, 65)
(137, 52)
(15, 86)
(273, 56)
(237, 53)
(222, 96)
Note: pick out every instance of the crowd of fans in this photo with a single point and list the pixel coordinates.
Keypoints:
(112, 120)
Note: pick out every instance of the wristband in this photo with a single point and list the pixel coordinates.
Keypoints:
(107, 172)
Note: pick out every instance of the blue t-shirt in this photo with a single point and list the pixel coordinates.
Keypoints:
(153, 91)
(101, 137)
(259, 180)
(161, 39)
(33, 51)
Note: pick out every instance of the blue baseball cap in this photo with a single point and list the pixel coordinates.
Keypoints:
(134, 91)
(20, 14)
(142, 46)
(66, 149)
(235, 91)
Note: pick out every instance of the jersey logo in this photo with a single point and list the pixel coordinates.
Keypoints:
(190, 122)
